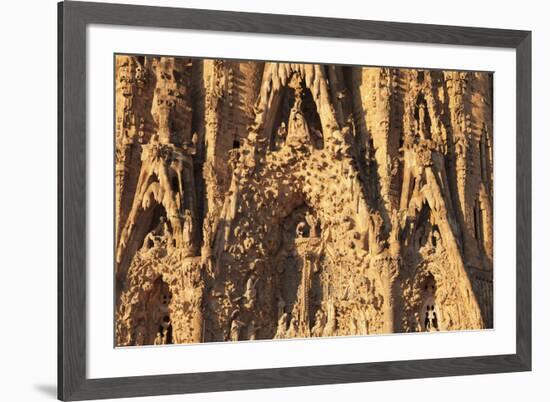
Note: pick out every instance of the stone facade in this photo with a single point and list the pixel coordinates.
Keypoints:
(276, 200)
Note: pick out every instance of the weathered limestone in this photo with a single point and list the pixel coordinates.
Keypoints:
(277, 200)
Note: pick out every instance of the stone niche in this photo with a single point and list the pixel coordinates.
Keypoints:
(298, 268)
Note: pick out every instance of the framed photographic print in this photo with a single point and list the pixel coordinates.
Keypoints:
(252, 201)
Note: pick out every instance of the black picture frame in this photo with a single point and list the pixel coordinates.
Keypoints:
(73, 18)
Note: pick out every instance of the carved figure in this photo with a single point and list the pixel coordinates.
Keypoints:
(250, 292)
(320, 321)
(236, 326)
(282, 326)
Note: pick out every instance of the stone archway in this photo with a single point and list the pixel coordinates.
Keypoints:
(269, 185)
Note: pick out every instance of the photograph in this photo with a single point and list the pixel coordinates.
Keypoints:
(275, 201)
(271, 200)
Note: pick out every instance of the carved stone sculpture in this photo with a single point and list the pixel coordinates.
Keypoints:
(277, 200)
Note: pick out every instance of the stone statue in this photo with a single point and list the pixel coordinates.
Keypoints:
(281, 135)
(292, 331)
(187, 226)
(158, 339)
(302, 230)
(422, 121)
(154, 238)
(313, 224)
(330, 326)
(236, 326)
(250, 293)
(320, 321)
(282, 326)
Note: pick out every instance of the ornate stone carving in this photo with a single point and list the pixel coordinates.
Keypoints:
(278, 200)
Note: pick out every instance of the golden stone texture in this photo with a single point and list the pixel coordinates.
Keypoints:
(276, 200)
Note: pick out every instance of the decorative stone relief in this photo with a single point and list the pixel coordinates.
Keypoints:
(280, 200)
